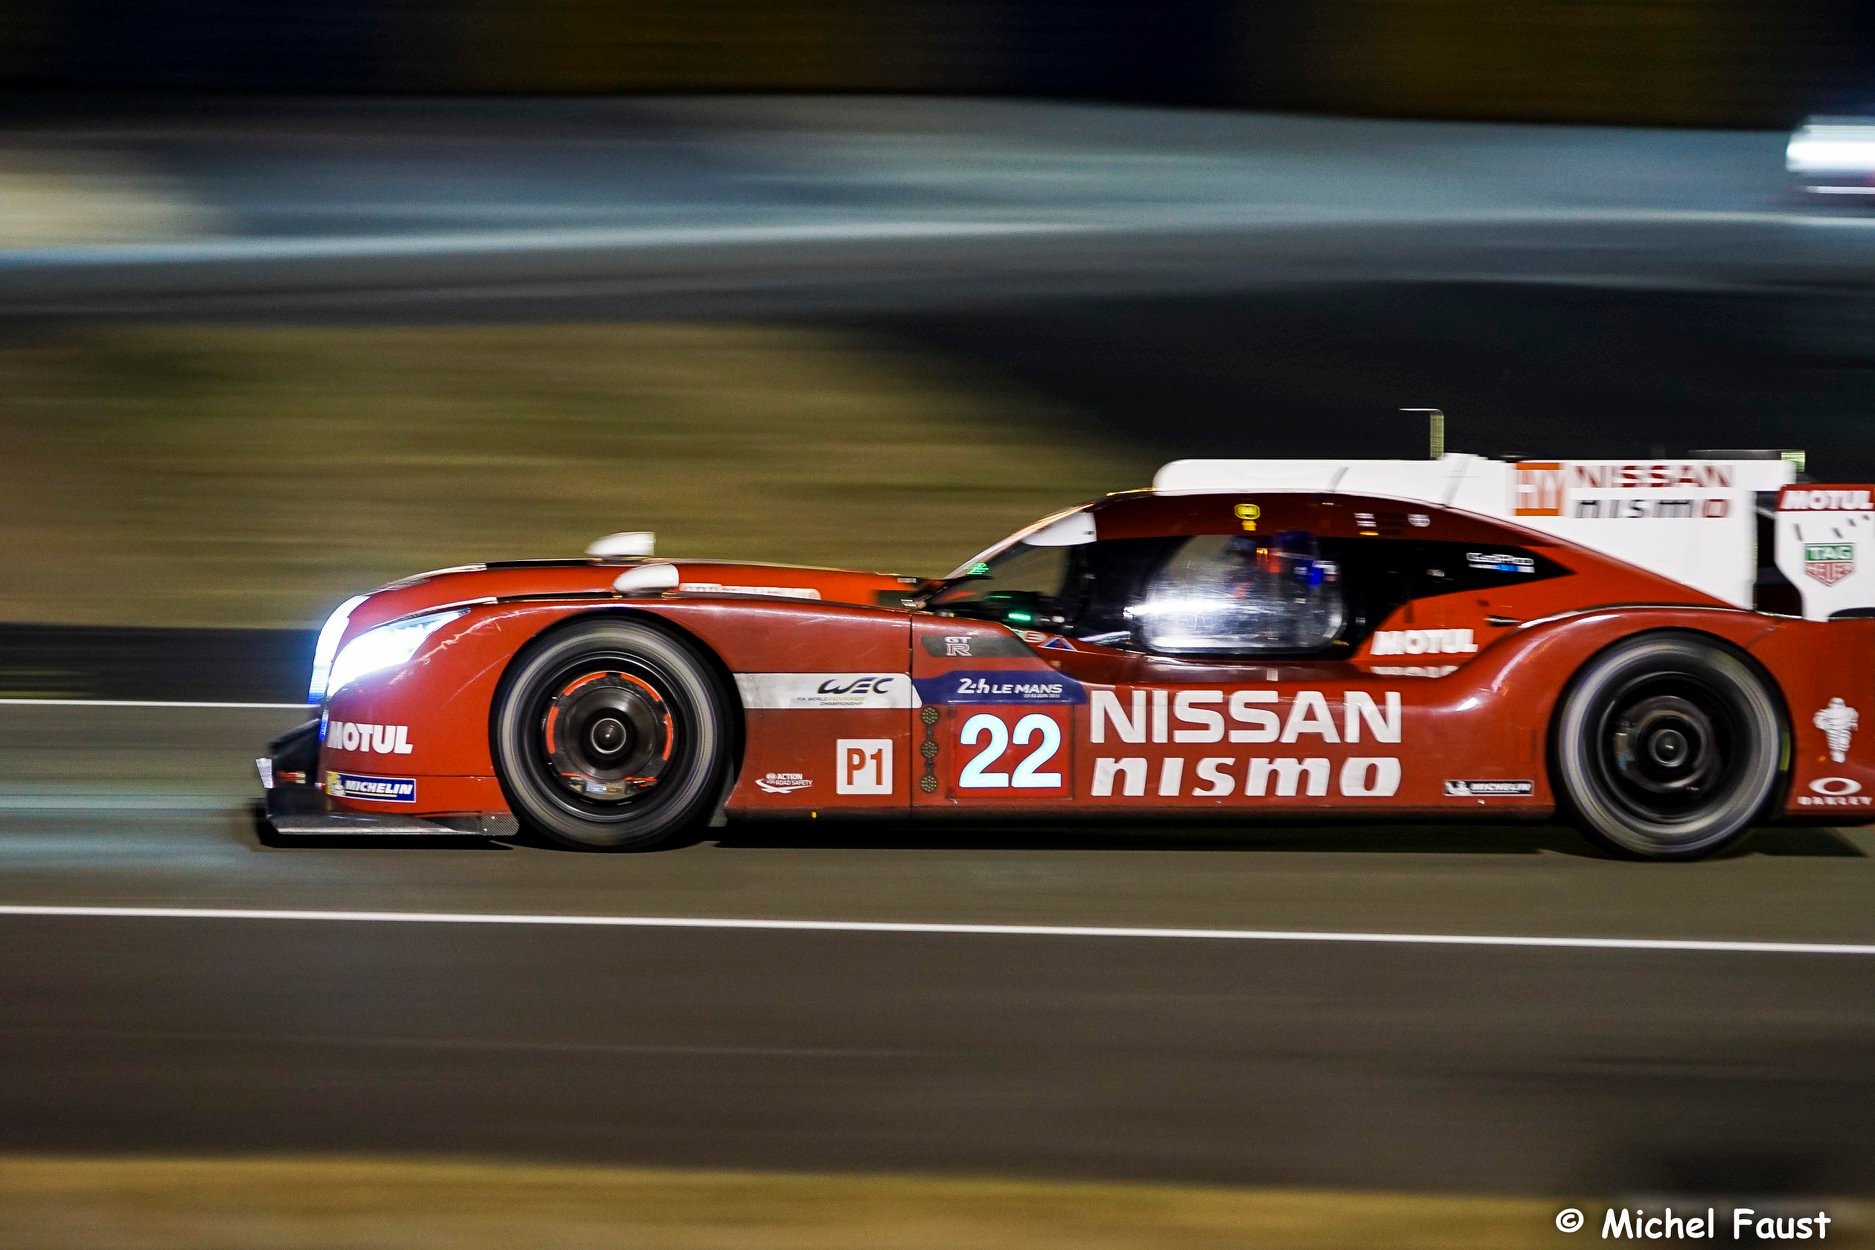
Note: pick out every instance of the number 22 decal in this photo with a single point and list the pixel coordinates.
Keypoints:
(976, 775)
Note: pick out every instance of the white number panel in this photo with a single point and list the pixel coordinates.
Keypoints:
(862, 766)
(1015, 752)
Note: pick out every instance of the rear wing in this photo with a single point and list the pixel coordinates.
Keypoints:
(1826, 548)
(1693, 520)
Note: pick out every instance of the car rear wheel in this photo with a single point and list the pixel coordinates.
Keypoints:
(1668, 747)
(612, 735)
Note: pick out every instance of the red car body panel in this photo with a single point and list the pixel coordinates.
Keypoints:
(853, 704)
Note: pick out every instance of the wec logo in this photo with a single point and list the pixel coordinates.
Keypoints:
(858, 685)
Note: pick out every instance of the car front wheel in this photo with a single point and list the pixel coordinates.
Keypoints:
(612, 734)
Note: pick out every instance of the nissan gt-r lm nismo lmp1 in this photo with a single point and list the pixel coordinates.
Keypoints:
(1667, 652)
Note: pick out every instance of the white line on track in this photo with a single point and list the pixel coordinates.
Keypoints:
(990, 930)
(278, 707)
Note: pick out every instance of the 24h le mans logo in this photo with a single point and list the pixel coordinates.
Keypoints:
(1829, 563)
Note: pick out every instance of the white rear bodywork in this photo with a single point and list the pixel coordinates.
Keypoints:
(1694, 521)
(1826, 546)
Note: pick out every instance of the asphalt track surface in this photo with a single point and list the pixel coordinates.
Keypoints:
(1349, 1063)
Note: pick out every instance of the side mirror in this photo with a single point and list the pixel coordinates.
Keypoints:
(632, 544)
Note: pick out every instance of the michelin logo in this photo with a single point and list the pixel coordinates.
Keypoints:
(377, 789)
(1838, 722)
(1489, 789)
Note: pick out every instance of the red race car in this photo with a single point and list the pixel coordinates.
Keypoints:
(1252, 639)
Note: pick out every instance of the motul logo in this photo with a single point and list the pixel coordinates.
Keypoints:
(1826, 499)
(374, 739)
(1424, 642)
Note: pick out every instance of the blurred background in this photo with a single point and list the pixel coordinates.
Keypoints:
(299, 297)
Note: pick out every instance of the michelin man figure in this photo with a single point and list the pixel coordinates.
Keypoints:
(1837, 721)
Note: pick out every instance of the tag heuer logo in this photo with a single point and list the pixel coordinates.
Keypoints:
(1829, 563)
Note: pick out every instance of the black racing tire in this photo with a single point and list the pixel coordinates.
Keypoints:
(1668, 746)
(612, 734)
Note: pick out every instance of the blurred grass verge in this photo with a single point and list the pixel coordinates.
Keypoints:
(119, 1204)
(204, 475)
(55, 200)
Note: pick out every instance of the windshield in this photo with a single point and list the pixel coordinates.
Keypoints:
(1021, 585)
(1206, 594)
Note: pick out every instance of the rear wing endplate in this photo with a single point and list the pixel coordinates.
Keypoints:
(1826, 547)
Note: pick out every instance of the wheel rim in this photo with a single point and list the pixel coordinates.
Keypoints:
(610, 736)
(1666, 746)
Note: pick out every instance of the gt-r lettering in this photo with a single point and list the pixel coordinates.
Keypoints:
(1281, 777)
(1184, 716)
(370, 739)
(1424, 642)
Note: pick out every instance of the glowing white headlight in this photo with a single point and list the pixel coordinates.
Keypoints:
(387, 646)
(329, 636)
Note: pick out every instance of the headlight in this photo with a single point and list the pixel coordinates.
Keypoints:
(387, 646)
(329, 636)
